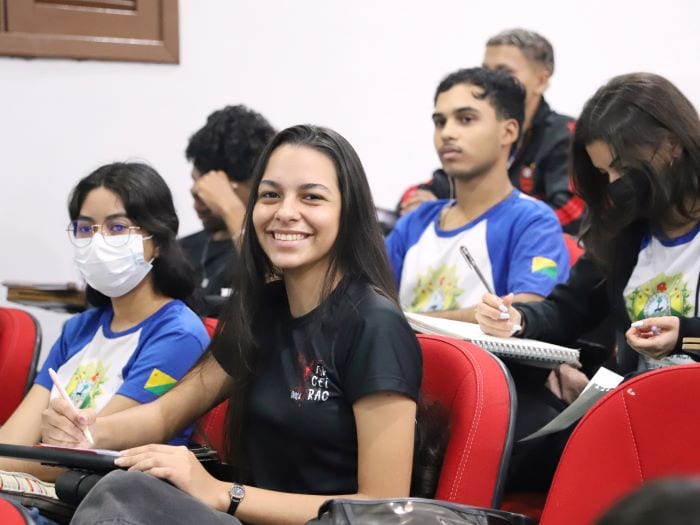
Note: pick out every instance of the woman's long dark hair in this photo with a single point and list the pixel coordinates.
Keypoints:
(357, 254)
(149, 204)
(637, 115)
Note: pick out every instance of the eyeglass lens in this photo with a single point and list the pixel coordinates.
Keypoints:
(115, 231)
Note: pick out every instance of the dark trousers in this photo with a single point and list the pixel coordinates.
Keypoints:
(533, 462)
(135, 498)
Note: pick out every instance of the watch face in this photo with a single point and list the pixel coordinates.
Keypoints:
(237, 492)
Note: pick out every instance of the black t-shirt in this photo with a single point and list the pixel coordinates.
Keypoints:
(300, 430)
(213, 262)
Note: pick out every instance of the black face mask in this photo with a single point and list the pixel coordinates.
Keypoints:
(631, 194)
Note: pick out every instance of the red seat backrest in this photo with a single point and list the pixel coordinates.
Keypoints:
(210, 428)
(210, 324)
(476, 390)
(645, 429)
(573, 247)
(20, 341)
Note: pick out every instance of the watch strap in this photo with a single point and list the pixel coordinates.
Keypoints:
(236, 493)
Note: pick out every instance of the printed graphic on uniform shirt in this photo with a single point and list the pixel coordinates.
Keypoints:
(662, 295)
(313, 386)
(437, 290)
(545, 266)
(159, 382)
(85, 385)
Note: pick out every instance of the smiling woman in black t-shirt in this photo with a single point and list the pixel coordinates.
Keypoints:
(321, 367)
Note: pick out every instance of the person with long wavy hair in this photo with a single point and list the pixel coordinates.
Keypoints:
(636, 164)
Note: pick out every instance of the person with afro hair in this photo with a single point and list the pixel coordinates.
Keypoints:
(223, 154)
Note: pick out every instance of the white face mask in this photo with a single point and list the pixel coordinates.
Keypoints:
(112, 271)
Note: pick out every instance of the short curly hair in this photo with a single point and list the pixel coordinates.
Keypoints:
(502, 91)
(231, 141)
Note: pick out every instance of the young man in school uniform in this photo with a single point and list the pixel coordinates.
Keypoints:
(538, 164)
(223, 154)
(515, 240)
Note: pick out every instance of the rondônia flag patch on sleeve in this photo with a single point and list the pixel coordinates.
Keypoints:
(159, 382)
(545, 266)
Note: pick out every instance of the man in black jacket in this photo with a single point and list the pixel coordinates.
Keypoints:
(539, 163)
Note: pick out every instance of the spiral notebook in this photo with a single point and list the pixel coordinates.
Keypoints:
(526, 351)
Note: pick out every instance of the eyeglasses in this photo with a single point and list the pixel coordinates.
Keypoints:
(116, 232)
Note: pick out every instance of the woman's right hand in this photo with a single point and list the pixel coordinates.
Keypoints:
(496, 316)
(179, 466)
(63, 425)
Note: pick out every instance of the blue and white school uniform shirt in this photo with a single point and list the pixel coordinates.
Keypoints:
(517, 244)
(665, 282)
(94, 363)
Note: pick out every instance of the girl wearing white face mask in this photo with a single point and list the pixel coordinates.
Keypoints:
(141, 337)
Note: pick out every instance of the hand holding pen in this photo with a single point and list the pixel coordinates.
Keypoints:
(494, 315)
(64, 395)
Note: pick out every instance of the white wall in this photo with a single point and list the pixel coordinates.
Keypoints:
(367, 69)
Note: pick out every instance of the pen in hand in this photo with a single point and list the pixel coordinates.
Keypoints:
(66, 397)
(472, 264)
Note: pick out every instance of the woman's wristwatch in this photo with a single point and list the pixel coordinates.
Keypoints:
(236, 493)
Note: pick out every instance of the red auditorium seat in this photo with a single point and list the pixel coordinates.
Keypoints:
(20, 342)
(476, 390)
(645, 429)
